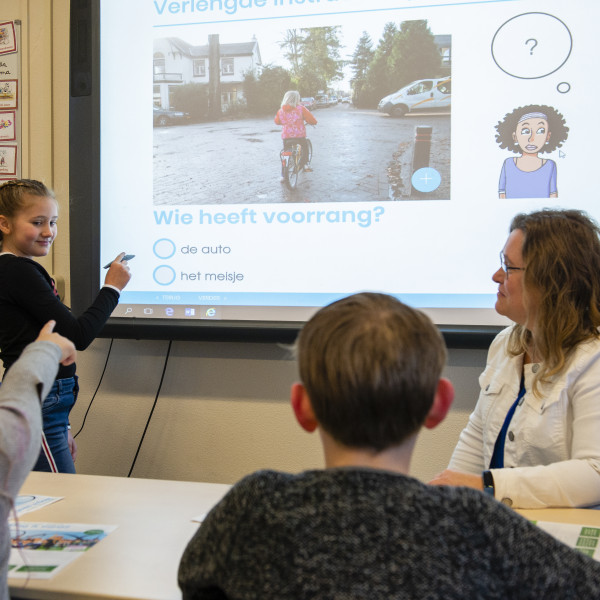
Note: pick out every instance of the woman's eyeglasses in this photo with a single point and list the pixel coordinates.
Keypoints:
(506, 268)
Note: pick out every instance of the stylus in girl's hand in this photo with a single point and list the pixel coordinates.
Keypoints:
(126, 257)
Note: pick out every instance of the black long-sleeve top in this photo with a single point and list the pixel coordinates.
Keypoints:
(28, 300)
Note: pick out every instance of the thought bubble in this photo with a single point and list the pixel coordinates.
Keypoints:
(532, 45)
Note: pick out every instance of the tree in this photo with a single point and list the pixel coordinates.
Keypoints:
(403, 55)
(321, 63)
(263, 95)
(361, 59)
(414, 54)
(191, 98)
(292, 46)
(378, 77)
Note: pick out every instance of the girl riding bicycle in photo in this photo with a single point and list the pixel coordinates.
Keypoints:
(292, 116)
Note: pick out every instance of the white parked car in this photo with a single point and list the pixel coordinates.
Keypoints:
(424, 94)
(308, 102)
(321, 101)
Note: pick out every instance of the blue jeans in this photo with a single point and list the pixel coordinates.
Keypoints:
(55, 416)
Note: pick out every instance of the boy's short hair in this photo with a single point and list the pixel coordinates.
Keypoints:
(370, 365)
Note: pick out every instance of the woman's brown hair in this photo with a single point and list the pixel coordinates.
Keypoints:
(561, 255)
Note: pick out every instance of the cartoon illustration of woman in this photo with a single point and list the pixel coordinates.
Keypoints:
(530, 130)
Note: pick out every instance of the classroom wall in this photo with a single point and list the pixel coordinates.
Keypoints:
(222, 410)
(44, 89)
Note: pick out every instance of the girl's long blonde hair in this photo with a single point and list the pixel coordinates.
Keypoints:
(291, 97)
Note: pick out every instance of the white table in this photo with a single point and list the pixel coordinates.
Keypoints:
(577, 516)
(139, 560)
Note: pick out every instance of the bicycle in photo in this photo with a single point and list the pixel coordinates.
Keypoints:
(291, 159)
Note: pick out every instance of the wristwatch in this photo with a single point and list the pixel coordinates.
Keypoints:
(488, 483)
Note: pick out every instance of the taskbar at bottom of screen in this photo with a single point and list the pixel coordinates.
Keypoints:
(213, 312)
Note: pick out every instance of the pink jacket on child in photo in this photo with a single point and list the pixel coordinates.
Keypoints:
(292, 119)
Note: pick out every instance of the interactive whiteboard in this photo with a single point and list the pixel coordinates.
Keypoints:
(437, 122)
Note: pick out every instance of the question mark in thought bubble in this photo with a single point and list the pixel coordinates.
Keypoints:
(378, 212)
(532, 46)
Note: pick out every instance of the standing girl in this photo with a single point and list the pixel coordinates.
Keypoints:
(28, 299)
(292, 116)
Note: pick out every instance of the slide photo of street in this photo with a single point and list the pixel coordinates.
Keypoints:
(379, 90)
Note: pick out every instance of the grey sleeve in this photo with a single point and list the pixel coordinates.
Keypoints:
(207, 566)
(23, 388)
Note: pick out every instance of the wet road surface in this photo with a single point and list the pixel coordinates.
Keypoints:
(358, 155)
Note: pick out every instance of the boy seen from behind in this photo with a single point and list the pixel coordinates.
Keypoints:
(370, 371)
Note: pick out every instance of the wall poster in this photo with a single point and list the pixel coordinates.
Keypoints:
(10, 113)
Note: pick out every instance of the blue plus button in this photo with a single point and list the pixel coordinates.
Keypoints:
(426, 179)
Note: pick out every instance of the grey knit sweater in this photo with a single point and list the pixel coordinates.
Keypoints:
(360, 533)
(21, 394)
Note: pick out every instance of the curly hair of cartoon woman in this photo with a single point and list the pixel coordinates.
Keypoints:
(556, 125)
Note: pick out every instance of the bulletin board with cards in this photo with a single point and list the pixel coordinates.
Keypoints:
(10, 109)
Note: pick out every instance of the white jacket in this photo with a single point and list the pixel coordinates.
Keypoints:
(552, 451)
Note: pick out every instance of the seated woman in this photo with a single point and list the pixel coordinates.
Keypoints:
(533, 439)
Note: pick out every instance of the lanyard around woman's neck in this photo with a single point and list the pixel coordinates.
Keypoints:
(497, 461)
